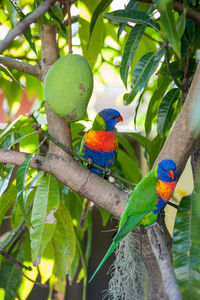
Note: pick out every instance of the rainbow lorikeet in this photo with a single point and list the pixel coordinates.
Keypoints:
(145, 202)
(100, 145)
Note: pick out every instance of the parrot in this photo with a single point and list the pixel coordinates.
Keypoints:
(99, 145)
(145, 202)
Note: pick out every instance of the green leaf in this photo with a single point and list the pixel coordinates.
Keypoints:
(142, 72)
(21, 176)
(10, 276)
(6, 200)
(64, 240)
(46, 265)
(56, 13)
(43, 222)
(165, 111)
(9, 74)
(162, 85)
(11, 139)
(140, 138)
(186, 244)
(165, 7)
(9, 126)
(74, 265)
(132, 16)
(105, 216)
(5, 178)
(131, 5)
(95, 44)
(99, 9)
(130, 50)
(181, 23)
(129, 167)
(27, 33)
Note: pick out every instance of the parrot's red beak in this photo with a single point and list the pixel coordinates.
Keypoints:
(171, 174)
(120, 119)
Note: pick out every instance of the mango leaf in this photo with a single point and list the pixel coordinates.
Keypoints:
(142, 72)
(56, 13)
(9, 74)
(10, 126)
(99, 9)
(105, 216)
(131, 5)
(130, 49)
(154, 148)
(26, 285)
(140, 138)
(46, 265)
(5, 179)
(168, 22)
(94, 44)
(162, 85)
(129, 167)
(186, 244)
(27, 33)
(43, 222)
(132, 16)
(21, 176)
(10, 277)
(165, 111)
(74, 265)
(64, 241)
(11, 139)
(6, 200)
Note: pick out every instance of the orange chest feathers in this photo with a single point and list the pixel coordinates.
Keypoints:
(165, 189)
(101, 140)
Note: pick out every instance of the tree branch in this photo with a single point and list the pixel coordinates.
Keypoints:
(22, 66)
(72, 174)
(21, 26)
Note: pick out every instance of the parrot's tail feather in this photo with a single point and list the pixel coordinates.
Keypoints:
(108, 253)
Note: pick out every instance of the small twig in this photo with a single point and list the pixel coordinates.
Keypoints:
(20, 266)
(169, 69)
(21, 26)
(187, 64)
(13, 260)
(76, 155)
(69, 26)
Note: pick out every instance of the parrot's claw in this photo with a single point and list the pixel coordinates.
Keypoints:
(127, 191)
(89, 163)
(107, 173)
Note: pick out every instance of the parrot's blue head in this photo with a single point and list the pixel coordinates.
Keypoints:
(166, 170)
(110, 117)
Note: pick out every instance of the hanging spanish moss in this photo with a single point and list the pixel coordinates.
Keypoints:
(129, 276)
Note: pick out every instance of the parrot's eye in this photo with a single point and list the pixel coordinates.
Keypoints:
(113, 117)
(163, 169)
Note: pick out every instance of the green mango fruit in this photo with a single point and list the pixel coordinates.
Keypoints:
(68, 87)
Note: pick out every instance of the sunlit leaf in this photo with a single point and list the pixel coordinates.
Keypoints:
(6, 200)
(10, 277)
(142, 72)
(130, 50)
(64, 240)
(43, 222)
(132, 16)
(162, 85)
(186, 245)
(98, 11)
(165, 111)
(21, 176)
(131, 5)
(168, 22)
